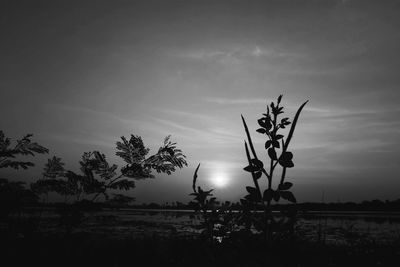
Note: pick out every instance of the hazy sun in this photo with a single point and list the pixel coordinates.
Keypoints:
(219, 179)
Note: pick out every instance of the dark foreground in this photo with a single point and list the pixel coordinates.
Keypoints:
(85, 249)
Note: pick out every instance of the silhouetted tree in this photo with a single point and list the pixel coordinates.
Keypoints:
(97, 176)
(13, 194)
(119, 200)
(23, 147)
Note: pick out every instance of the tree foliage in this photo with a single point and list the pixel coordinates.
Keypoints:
(13, 194)
(22, 147)
(97, 176)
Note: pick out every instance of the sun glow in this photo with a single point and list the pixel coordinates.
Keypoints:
(220, 180)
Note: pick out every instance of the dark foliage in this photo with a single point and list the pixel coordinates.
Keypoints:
(23, 147)
(14, 196)
(276, 147)
(97, 176)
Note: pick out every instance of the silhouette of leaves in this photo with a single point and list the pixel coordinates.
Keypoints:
(272, 154)
(254, 193)
(54, 167)
(292, 128)
(285, 186)
(98, 176)
(16, 164)
(276, 195)
(167, 158)
(268, 144)
(23, 147)
(137, 171)
(132, 151)
(268, 194)
(195, 178)
(285, 160)
(123, 185)
(288, 196)
(276, 147)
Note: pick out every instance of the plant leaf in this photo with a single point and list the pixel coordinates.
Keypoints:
(285, 160)
(272, 153)
(250, 168)
(279, 99)
(257, 163)
(249, 137)
(261, 130)
(288, 196)
(268, 144)
(195, 178)
(292, 128)
(251, 190)
(275, 144)
(276, 195)
(285, 186)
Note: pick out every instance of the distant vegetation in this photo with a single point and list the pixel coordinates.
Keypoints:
(372, 205)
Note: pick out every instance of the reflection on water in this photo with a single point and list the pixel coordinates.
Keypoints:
(328, 226)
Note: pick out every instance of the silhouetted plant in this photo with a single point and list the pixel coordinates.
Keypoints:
(218, 220)
(277, 148)
(206, 204)
(23, 147)
(13, 194)
(97, 176)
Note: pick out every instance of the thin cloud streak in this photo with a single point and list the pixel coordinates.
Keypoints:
(238, 101)
(204, 137)
(239, 52)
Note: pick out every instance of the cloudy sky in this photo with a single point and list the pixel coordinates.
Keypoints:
(80, 74)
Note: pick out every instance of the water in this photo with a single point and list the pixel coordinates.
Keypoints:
(337, 227)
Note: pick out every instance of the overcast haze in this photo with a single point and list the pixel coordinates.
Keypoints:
(80, 74)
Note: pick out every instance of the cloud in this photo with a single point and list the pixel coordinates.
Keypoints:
(88, 111)
(83, 139)
(204, 55)
(239, 54)
(205, 137)
(234, 101)
(189, 115)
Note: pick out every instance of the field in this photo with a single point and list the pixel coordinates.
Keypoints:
(172, 238)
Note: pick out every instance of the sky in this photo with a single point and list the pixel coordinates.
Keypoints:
(80, 74)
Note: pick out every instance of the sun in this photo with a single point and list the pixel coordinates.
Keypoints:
(220, 180)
